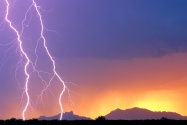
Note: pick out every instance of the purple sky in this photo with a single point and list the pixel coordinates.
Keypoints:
(100, 45)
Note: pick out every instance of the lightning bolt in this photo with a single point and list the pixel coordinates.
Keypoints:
(51, 58)
(24, 56)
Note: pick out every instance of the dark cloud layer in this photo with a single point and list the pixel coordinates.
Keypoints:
(118, 29)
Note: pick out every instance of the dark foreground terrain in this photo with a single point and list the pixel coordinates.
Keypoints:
(96, 122)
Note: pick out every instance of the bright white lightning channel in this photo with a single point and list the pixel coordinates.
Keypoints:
(28, 60)
(51, 58)
(24, 53)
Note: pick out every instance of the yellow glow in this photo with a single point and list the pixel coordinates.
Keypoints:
(159, 101)
(110, 101)
(107, 103)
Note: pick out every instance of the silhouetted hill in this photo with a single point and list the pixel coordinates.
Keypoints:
(142, 114)
(66, 116)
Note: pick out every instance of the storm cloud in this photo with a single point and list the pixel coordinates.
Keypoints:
(119, 29)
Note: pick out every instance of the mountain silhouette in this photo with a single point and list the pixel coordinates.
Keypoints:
(142, 114)
(119, 114)
(66, 116)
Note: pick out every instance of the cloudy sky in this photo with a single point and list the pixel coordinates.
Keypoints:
(111, 54)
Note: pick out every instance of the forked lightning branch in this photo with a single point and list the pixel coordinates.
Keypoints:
(28, 62)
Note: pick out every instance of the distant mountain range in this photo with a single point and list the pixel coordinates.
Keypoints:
(66, 116)
(142, 114)
(118, 114)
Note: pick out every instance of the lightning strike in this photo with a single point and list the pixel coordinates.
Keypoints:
(51, 58)
(29, 62)
(25, 55)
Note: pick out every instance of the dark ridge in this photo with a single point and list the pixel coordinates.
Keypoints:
(142, 114)
(66, 116)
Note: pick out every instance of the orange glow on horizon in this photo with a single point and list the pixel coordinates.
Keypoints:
(157, 84)
(160, 101)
